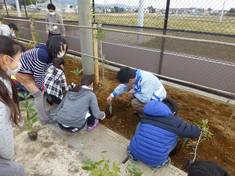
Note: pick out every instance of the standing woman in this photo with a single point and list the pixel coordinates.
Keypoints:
(34, 64)
(55, 25)
(10, 53)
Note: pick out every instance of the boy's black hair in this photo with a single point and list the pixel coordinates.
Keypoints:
(51, 6)
(13, 26)
(125, 74)
(54, 44)
(57, 62)
(206, 168)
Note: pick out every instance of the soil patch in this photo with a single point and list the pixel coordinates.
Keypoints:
(193, 107)
(49, 155)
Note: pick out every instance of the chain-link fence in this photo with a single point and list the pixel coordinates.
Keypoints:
(198, 16)
(38, 8)
(200, 19)
(126, 43)
(202, 16)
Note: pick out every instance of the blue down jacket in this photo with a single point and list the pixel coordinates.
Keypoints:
(157, 134)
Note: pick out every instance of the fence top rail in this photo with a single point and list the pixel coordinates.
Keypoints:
(135, 33)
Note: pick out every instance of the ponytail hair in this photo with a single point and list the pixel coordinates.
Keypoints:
(86, 80)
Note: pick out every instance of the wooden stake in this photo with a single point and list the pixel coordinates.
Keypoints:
(96, 53)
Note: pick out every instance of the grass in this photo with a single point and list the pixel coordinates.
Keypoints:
(194, 23)
(184, 22)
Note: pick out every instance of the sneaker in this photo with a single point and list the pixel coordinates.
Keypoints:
(90, 128)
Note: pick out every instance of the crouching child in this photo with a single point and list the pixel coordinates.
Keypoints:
(79, 108)
(55, 84)
(157, 134)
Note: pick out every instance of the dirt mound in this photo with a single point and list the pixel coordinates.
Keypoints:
(193, 107)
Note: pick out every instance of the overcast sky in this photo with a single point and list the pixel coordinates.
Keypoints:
(214, 4)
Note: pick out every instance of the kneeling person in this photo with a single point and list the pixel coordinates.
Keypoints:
(79, 108)
(157, 134)
(142, 85)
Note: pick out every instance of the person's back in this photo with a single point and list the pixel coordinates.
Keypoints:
(55, 84)
(79, 107)
(157, 134)
(152, 144)
(34, 61)
(74, 108)
(155, 87)
(5, 30)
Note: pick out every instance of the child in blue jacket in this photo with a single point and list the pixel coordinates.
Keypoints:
(142, 85)
(157, 134)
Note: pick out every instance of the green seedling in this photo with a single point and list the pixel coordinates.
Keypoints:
(106, 168)
(204, 125)
(133, 170)
(77, 71)
(101, 168)
(30, 116)
(206, 133)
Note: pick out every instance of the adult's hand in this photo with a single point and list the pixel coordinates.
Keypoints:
(27, 81)
(109, 99)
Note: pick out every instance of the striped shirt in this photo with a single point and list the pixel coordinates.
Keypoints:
(35, 62)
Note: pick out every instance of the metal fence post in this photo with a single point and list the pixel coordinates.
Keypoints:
(93, 11)
(5, 4)
(26, 13)
(164, 33)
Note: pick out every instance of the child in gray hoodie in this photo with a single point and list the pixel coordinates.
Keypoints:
(79, 108)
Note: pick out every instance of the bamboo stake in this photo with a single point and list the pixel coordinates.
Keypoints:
(96, 53)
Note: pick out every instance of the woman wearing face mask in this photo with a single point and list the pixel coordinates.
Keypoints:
(10, 52)
(34, 64)
(53, 19)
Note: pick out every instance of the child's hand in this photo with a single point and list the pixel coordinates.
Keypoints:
(132, 91)
(73, 85)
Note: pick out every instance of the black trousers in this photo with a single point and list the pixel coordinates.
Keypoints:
(51, 99)
(90, 122)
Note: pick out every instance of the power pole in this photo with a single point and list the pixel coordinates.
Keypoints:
(85, 19)
(222, 12)
(5, 4)
(141, 13)
(18, 8)
(163, 38)
(105, 2)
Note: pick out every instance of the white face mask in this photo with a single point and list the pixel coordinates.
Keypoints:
(12, 72)
(13, 35)
(52, 13)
